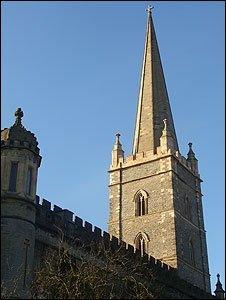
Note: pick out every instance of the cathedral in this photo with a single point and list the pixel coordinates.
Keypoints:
(155, 194)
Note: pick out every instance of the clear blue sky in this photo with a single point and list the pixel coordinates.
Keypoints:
(74, 67)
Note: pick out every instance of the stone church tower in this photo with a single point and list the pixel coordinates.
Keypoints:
(20, 161)
(155, 193)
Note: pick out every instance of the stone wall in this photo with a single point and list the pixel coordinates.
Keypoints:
(174, 215)
(189, 226)
(54, 222)
(155, 177)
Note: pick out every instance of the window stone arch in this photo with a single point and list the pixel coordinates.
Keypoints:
(141, 203)
(141, 242)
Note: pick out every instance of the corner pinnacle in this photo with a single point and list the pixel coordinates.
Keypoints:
(219, 292)
(165, 123)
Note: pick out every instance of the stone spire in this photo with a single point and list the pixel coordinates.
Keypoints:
(219, 292)
(153, 103)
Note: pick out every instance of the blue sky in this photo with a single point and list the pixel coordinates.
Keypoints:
(74, 68)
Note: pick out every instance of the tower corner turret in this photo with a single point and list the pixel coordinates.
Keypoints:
(20, 160)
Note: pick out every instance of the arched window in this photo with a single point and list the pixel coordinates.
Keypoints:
(191, 253)
(141, 243)
(141, 203)
(13, 176)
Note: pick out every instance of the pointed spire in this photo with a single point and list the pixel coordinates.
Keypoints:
(153, 103)
(219, 292)
(19, 115)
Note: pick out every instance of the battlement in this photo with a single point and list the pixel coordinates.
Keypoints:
(49, 215)
(52, 218)
(147, 156)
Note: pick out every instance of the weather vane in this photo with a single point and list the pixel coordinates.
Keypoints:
(149, 9)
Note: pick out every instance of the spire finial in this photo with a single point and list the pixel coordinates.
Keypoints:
(149, 9)
(117, 152)
(190, 152)
(165, 123)
(165, 127)
(19, 115)
(117, 138)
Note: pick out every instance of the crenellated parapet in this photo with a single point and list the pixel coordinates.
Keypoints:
(54, 219)
(149, 156)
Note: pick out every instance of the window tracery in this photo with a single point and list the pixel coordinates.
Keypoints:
(141, 243)
(141, 203)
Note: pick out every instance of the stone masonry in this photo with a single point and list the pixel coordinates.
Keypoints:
(155, 193)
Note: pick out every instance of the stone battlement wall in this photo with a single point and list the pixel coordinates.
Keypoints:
(54, 219)
(143, 157)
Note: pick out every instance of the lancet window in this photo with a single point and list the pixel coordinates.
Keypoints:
(141, 203)
(13, 176)
(141, 243)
